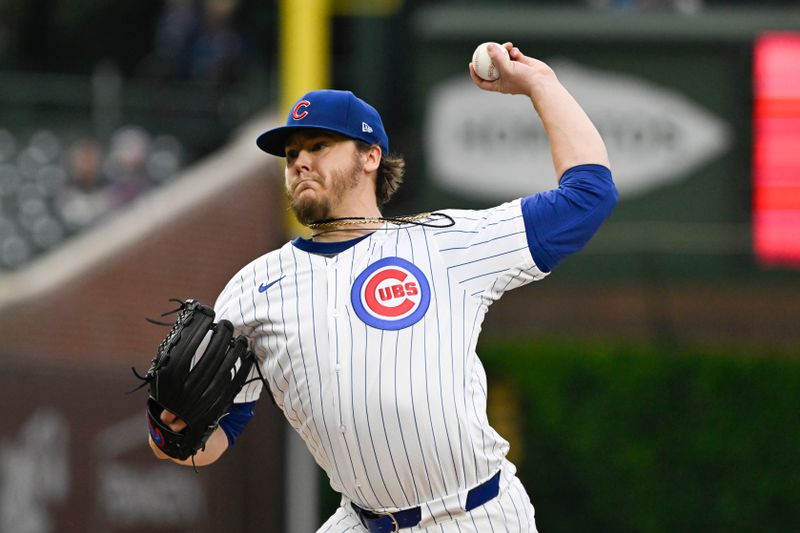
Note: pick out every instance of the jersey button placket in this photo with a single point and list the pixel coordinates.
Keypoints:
(335, 293)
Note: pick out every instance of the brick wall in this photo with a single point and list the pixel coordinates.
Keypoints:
(65, 363)
(98, 318)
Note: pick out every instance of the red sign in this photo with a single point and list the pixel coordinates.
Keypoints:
(776, 149)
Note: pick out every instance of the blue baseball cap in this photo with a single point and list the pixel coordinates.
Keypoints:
(338, 111)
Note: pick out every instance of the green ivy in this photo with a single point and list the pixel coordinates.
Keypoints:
(647, 439)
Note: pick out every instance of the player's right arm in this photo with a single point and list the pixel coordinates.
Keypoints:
(561, 221)
(574, 140)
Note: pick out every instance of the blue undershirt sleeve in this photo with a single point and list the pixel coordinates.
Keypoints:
(236, 420)
(561, 221)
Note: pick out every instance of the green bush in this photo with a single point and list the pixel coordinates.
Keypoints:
(644, 439)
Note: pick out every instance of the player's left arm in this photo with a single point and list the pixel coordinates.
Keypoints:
(224, 437)
(215, 446)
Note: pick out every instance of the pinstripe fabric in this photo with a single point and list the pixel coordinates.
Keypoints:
(396, 417)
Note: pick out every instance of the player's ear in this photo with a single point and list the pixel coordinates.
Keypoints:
(373, 158)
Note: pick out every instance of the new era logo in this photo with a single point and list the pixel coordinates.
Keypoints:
(366, 127)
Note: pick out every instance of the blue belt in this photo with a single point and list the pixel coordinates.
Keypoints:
(377, 522)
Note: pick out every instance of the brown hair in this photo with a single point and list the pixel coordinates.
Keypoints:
(389, 176)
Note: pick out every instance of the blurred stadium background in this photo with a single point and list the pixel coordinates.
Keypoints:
(651, 384)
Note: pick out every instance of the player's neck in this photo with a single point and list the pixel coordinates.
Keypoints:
(346, 224)
(356, 215)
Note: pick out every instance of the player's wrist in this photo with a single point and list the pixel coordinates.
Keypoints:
(156, 451)
(542, 81)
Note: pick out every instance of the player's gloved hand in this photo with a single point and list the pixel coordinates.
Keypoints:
(197, 372)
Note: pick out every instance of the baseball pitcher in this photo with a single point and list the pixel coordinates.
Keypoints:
(365, 333)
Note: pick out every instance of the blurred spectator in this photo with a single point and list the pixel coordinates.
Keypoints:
(83, 200)
(176, 28)
(217, 53)
(48, 193)
(165, 158)
(197, 41)
(126, 165)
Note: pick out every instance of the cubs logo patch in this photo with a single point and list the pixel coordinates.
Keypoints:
(391, 294)
(297, 114)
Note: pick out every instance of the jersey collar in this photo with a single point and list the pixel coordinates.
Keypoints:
(326, 248)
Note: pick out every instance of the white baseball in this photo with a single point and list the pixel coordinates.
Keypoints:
(482, 63)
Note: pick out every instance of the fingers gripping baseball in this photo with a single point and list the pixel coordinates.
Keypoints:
(517, 71)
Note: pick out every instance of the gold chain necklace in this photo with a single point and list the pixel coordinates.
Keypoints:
(354, 221)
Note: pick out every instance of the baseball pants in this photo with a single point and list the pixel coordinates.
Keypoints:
(511, 511)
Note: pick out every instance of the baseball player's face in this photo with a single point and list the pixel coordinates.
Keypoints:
(322, 171)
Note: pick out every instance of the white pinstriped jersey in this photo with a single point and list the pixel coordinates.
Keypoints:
(370, 352)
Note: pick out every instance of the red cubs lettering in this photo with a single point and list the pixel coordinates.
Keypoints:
(411, 288)
(296, 113)
(397, 290)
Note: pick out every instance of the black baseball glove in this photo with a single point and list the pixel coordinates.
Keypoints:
(200, 395)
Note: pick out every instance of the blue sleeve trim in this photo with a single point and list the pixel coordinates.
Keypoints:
(561, 221)
(236, 420)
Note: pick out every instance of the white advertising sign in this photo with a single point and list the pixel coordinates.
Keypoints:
(493, 145)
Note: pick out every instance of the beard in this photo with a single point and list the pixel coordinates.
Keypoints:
(319, 206)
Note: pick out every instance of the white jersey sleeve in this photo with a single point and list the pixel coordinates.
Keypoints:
(487, 251)
(232, 305)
